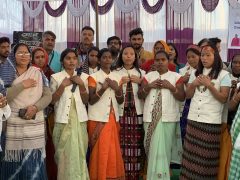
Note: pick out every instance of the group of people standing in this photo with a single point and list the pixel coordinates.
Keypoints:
(118, 113)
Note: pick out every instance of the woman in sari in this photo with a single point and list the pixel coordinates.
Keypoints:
(173, 56)
(162, 90)
(105, 157)
(158, 45)
(25, 136)
(70, 137)
(40, 60)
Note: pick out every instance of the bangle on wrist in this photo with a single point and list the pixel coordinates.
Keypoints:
(98, 95)
(119, 95)
(234, 100)
(144, 91)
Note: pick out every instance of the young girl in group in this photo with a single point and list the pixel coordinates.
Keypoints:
(105, 94)
(70, 95)
(173, 56)
(163, 90)
(158, 45)
(234, 167)
(130, 111)
(91, 65)
(229, 112)
(208, 87)
(193, 57)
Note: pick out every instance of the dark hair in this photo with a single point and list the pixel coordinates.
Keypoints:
(205, 40)
(162, 52)
(114, 38)
(39, 49)
(49, 33)
(4, 39)
(94, 48)
(120, 62)
(87, 28)
(195, 51)
(19, 45)
(65, 53)
(135, 31)
(217, 64)
(176, 51)
(102, 51)
(235, 75)
(215, 40)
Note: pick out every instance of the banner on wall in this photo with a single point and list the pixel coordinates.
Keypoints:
(32, 39)
(234, 28)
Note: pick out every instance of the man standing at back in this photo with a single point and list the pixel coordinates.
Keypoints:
(136, 40)
(48, 43)
(7, 76)
(7, 68)
(87, 37)
(114, 45)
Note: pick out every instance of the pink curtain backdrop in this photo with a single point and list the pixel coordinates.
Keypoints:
(33, 24)
(75, 25)
(125, 22)
(179, 30)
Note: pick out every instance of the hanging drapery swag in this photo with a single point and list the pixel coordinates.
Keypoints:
(234, 3)
(104, 8)
(77, 12)
(126, 8)
(152, 9)
(33, 12)
(56, 12)
(209, 5)
(180, 6)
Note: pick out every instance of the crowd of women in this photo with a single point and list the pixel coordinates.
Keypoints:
(124, 121)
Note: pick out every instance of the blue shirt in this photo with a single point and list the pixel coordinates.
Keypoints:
(7, 74)
(54, 61)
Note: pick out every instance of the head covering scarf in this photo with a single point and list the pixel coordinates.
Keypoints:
(46, 58)
(166, 47)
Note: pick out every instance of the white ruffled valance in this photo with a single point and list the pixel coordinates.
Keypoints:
(234, 3)
(126, 8)
(33, 12)
(179, 7)
(78, 11)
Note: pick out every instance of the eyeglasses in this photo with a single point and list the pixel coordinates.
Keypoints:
(23, 54)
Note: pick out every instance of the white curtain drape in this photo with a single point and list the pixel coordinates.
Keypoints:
(106, 24)
(153, 25)
(58, 25)
(10, 17)
(214, 24)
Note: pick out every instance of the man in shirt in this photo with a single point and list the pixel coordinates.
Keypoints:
(48, 43)
(7, 67)
(86, 42)
(136, 40)
(114, 45)
(7, 76)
